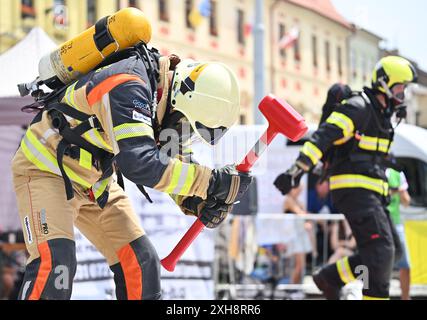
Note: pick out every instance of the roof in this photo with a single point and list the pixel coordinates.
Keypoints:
(20, 63)
(370, 33)
(324, 8)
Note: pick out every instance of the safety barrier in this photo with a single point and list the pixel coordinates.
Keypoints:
(237, 278)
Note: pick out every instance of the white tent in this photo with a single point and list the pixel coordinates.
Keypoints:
(18, 65)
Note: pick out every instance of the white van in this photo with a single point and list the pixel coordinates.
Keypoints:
(410, 149)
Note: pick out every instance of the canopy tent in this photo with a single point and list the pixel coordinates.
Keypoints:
(18, 65)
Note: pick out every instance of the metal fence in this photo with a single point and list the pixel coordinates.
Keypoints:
(241, 273)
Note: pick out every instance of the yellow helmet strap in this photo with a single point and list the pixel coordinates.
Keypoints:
(386, 88)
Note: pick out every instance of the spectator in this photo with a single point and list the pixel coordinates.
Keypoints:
(7, 276)
(342, 241)
(302, 243)
(399, 195)
(12, 262)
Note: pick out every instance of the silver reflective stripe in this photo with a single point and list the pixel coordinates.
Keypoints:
(182, 178)
(48, 133)
(52, 167)
(25, 289)
(91, 134)
(107, 107)
(132, 130)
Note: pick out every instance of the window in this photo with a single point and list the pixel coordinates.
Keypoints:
(339, 60)
(282, 33)
(364, 63)
(27, 9)
(213, 19)
(297, 48)
(353, 61)
(188, 8)
(241, 26)
(314, 48)
(164, 10)
(328, 56)
(91, 12)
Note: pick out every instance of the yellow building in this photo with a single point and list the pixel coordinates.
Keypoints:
(300, 74)
(303, 74)
(364, 53)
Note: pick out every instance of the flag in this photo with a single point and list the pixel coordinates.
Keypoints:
(248, 27)
(205, 8)
(289, 39)
(60, 16)
(199, 12)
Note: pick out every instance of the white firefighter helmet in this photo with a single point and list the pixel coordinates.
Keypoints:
(208, 95)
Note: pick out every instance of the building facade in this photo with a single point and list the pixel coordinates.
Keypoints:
(364, 53)
(303, 73)
(300, 74)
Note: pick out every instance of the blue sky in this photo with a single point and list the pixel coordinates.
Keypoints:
(402, 23)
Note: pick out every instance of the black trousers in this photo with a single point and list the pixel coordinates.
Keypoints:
(377, 241)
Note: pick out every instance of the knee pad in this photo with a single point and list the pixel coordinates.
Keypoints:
(50, 277)
(137, 276)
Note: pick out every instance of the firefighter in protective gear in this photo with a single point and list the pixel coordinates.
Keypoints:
(360, 133)
(119, 118)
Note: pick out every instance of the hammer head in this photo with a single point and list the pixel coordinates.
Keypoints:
(282, 118)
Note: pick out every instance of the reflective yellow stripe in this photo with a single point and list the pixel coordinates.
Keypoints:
(93, 136)
(344, 271)
(182, 178)
(342, 141)
(371, 144)
(185, 189)
(312, 151)
(131, 130)
(343, 122)
(71, 96)
(99, 187)
(101, 140)
(32, 158)
(44, 160)
(373, 298)
(176, 173)
(85, 160)
(358, 181)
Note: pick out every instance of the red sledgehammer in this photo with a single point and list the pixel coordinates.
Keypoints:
(282, 118)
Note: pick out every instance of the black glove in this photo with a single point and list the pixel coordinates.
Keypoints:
(227, 185)
(289, 180)
(210, 212)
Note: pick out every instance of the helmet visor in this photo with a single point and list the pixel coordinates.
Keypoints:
(210, 135)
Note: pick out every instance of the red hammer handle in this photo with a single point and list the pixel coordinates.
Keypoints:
(282, 119)
(171, 260)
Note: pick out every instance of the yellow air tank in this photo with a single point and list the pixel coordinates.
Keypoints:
(80, 55)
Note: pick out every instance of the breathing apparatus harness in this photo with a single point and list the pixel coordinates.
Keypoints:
(72, 141)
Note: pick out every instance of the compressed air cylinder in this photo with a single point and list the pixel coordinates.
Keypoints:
(80, 55)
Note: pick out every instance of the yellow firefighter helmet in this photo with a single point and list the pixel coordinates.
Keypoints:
(208, 95)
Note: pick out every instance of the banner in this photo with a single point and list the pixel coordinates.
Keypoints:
(165, 224)
(416, 241)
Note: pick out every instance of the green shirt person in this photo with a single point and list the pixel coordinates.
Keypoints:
(399, 195)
